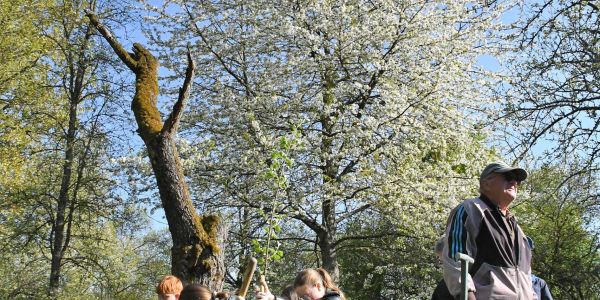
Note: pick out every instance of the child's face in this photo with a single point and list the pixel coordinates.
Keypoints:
(312, 291)
(168, 297)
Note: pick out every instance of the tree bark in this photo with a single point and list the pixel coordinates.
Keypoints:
(196, 255)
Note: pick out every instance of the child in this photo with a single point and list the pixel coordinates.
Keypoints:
(169, 288)
(195, 292)
(288, 294)
(199, 292)
(316, 284)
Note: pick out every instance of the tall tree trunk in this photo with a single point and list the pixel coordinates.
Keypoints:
(60, 235)
(58, 238)
(327, 236)
(196, 255)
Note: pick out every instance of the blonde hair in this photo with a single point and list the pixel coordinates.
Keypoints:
(313, 276)
(169, 285)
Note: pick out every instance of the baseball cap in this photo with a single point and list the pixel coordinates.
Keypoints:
(502, 167)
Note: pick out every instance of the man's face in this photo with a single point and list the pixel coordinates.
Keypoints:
(501, 188)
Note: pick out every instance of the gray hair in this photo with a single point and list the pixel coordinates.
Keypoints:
(439, 245)
(482, 179)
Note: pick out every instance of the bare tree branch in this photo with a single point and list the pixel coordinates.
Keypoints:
(172, 121)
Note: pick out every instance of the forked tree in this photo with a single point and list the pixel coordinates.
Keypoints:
(196, 255)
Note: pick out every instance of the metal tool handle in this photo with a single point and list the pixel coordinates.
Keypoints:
(464, 270)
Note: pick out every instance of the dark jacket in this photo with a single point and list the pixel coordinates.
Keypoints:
(502, 268)
(441, 292)
(331, 295)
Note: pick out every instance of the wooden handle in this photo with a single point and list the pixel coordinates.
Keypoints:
(248, 274)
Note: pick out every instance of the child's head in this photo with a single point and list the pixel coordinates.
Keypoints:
(314, 283)
(195, 292)
(439, 246)
(289, 293)
(169, 288)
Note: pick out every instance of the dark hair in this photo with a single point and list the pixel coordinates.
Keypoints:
(312, 276)
(195, 292)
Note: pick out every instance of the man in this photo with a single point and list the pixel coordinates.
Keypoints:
(485, 229)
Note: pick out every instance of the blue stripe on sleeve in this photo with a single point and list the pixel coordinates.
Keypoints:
(457, 235)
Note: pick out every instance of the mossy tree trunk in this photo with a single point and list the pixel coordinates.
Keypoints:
(196, 255)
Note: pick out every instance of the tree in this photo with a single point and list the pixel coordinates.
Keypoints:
(73, 63)
(22, 48)
(553, 95)
(196, 256)
(391, 266)
(121, 267)
(552, 101)
(327, 112)
(61, 190)
(561, 215)
(109, 266)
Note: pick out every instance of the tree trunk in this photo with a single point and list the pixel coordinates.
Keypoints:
(58, 244)
(328, 255)
(196, 255)
(327, 236)
(59, 236)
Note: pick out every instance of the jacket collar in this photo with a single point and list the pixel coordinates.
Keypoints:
(494, 207)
